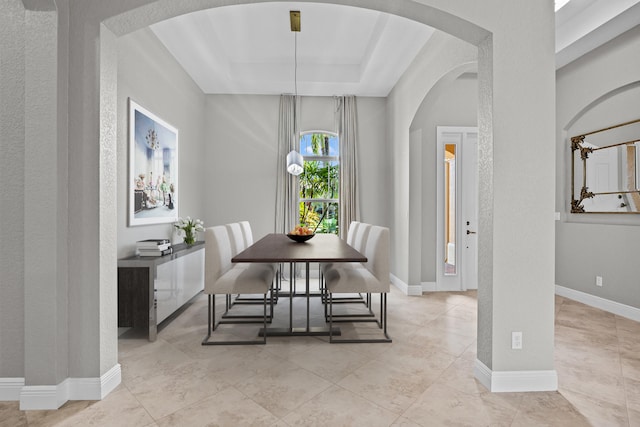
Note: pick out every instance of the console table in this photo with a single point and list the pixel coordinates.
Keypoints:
(150, 289)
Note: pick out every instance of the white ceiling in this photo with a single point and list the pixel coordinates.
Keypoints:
(249, 49)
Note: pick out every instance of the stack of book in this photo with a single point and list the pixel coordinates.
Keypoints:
(154, 247)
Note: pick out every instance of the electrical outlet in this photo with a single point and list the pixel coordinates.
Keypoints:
(599, 281)
(516, 340)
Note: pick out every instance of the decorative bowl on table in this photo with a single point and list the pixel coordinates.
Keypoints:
(300, 238)
(301, 234)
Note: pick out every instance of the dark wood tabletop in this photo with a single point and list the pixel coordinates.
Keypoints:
(278, 248)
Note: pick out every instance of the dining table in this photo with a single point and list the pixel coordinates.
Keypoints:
(278, 248)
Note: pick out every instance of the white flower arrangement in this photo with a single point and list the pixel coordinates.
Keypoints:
(189, 227)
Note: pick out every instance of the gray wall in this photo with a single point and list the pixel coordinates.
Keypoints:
(455, 105)
(92, 167)
(12, 86)
(242, 147)
(33, 343)
(598, 90)
(149, 74)
(228, 143)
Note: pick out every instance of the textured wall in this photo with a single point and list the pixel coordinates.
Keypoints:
(45, 349)
(12, 86)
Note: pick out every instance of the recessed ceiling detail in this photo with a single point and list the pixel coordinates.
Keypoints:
(249, 48)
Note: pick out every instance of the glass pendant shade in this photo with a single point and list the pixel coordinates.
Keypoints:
(294, 163)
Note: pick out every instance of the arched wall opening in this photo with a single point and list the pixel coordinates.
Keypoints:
(464, 31)
(422, 209)
(514, 294)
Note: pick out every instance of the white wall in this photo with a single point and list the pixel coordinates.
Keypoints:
(455, 105)
(149, 75)
(598, 90)
(242, 148)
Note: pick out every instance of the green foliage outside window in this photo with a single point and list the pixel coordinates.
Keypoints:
(319, 183)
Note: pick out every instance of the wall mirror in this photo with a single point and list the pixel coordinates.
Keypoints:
(605, 170)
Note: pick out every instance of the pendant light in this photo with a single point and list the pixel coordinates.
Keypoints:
(295, 163)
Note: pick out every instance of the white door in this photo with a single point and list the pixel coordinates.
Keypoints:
(457, 208)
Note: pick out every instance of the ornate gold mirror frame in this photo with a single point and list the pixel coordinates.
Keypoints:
(622, 166)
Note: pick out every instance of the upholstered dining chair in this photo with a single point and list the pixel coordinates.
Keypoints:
(241, 238)
(224, 278)
(357, 238)
(369, 278)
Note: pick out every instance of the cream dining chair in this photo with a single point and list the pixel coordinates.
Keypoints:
(369, 278)
(224, 278)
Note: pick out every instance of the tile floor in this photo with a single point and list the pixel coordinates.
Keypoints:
(424, 378)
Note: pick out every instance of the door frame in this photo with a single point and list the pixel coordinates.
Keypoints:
(454, 135)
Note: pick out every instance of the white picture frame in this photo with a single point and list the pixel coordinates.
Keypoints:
(153, 168)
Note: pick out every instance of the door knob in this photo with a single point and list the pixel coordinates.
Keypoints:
(471, 232)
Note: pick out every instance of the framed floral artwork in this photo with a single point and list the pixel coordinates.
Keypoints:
(153, 168)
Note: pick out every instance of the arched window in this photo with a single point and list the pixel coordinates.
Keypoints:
(320, 181)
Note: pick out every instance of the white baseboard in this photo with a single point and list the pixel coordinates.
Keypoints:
(412, 290)
(10, 389)
(94, 388)
(429, 286)
(601, 303)
(515, 381)
(54, 396)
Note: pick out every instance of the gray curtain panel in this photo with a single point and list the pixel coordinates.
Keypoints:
(287, 185)
(347, 124)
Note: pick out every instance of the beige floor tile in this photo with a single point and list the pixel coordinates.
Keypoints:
(441, 340)
(331, 362)
(599, 359)
(283, 388)
(449, 323)
(389, 386)
(228, 407)
(630, 364)
(286, 347)
(170, 390)
(586, 340)
(417, 360)
(459, 376)
(444, 406)
(153, 359)
(339, 407)
(634, 418)
(424, 378)
(58, 417)
(118, 408)
(548, 409)
(628, 325)
(632, 388)
(11, 415)
(584, 380)
(598, 412)
(233, 367)
(406, 422)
